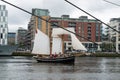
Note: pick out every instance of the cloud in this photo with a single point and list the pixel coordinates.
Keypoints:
(57, 7)
(98, 8)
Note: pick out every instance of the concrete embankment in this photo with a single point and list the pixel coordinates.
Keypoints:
(22, 53)
(104, 54)
(100, 54)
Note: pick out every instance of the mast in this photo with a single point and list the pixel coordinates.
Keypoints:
(62, 37)
(50, 41)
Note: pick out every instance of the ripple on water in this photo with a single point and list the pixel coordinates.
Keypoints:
(85, 68)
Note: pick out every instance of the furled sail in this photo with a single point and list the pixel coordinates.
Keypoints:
(76, 43)
(56, 45)
(60, 31)
(41, 43)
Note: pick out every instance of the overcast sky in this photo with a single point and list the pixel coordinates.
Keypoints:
(99, 8)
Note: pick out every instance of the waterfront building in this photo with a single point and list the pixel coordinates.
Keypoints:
(11, 38)
(114, 36)
(90, 29)
(3, 25)
(36, 22)
(21, 37)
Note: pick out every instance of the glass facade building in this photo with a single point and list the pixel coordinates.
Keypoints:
(40, 12)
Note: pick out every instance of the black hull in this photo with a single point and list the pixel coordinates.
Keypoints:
(69, 59)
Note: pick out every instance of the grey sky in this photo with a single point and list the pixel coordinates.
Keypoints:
(98, 8)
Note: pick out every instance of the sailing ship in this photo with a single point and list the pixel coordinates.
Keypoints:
(55, 54)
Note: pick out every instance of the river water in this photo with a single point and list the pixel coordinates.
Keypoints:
(85, 68)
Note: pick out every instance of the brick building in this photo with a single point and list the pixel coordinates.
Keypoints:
(90, 29)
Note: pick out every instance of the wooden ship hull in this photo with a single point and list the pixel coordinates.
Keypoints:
(69, 59)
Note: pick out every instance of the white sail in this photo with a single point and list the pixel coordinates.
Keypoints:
(41, 43)
(76, 44)
(56, 45)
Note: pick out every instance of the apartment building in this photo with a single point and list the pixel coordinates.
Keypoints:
(37, 23)
(3, 25)
(21, 37)
(88, 29)
(11, 38)
(113, 35)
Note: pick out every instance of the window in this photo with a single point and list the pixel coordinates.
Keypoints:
(89, 28)
(1, 26)
(4, 19)
(97, 33)
(89, 24)
(5, 25)
(69, 43)
(89, 38)
(3, 30)
(4, 7)
(90, 45)
(1, 13)
(97, 27)
(89, 35)
(0, 7)
(97, 38)
(71, 24)
(54, 24)
(69, 49)
(69, 37)
(6, 13)
(1, 35)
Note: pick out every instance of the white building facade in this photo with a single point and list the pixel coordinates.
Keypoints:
(115, 36)
(3, 25)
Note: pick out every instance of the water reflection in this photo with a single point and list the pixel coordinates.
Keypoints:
(85, 68)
